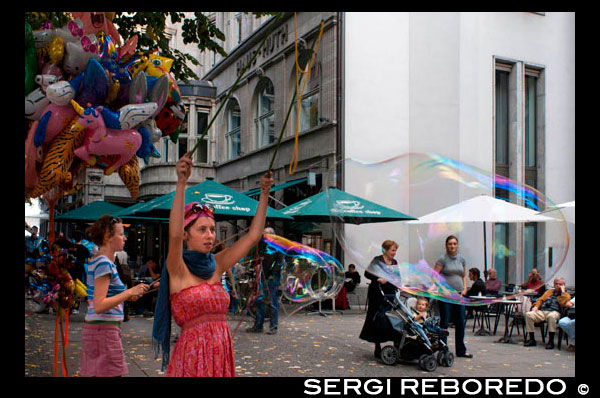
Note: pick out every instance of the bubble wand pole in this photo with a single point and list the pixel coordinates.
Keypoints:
(242, 72)
(287, 116)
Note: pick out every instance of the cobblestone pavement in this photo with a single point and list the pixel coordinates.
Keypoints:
(306, 345)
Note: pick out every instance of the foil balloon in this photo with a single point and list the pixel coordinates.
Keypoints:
(92, 84)
(52, 69)
(35, 103)
(53, 120)
(158, 66)
(130, 175)
(170, 117)
(60, 93)
(33, 159)
(78, 54)
(56, 50)
(104, 141)
(94, 22)
(31, 61)
(128, 48)
(58, 160)
(89, 86)
(46, 79)
(71, 32)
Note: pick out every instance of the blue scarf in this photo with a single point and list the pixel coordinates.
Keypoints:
(200, 264)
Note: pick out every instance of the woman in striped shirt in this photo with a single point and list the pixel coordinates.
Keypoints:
(102, 350)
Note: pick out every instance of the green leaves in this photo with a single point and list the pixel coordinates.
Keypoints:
(150, 28)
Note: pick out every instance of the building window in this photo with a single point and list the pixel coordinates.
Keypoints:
(518, 99)
(310, 104)
(232, 137)
(182, 140)
(264, 120)
(202, 151)
(309, 111)
(531, 230)
(238, 24)
(502, 123)
(501, 251)
(165, 151)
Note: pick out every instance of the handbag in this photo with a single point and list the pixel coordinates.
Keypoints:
(571, 313)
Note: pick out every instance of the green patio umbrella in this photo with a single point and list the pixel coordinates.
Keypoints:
(90, 212)
(339, 206)
(128, 214)
(229, 204)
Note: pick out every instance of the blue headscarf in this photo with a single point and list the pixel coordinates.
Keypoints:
(200, 264)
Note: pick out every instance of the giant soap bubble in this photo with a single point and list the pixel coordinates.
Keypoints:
(417, 184)
(307, 274)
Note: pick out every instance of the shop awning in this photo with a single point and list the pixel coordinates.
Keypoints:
(90, 212)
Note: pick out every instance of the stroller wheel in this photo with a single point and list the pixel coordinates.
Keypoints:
(389, 355)
(449, 359)
(441, 357)
(428, 363)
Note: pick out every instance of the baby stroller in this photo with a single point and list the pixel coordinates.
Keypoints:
(414, 341)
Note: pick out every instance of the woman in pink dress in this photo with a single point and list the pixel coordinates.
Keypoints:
(191, 287)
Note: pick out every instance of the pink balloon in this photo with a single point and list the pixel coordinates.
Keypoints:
(32, 156)
(53, 120)
(101, 140)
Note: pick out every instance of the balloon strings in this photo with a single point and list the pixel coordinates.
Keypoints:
(294, 159)
(232, 236)
(64, 347)
(287, 116)
(56, 346)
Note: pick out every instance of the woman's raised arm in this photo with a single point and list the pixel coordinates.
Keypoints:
(228, 257)
(174, 256)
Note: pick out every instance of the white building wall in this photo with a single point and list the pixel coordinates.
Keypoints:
(424, 82)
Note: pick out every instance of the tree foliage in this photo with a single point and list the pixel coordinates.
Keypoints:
(150, 28)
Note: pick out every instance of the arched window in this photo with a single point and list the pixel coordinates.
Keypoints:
(264, 120)
(233, 134)
(310, 106)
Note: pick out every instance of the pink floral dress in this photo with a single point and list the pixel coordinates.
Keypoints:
(204, 347)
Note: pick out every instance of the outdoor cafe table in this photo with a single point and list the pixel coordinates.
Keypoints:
(509, 307)
(482, 330)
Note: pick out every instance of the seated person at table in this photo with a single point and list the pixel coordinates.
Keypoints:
(547, 308)
(534, 282)
(420, 316)
(478, 288)
(567, 324)
(150, 269)
(352, 278)
(493, 284)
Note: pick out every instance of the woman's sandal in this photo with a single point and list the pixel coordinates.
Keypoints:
(465, 355)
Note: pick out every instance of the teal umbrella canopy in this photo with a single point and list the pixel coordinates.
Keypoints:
(90, 212)
(129, 214)
(333, 205)
(228, 203)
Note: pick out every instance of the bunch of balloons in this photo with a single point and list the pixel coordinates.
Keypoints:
(89, 103)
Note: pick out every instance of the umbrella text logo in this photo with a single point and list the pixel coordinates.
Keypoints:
(218, 199)
(297, 208)
(349, 204)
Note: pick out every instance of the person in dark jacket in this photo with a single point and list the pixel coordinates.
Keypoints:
(352, 278)
(376, 328)
(478, 288)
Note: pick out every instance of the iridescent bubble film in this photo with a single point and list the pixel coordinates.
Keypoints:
(307, 274)
(418, 184)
